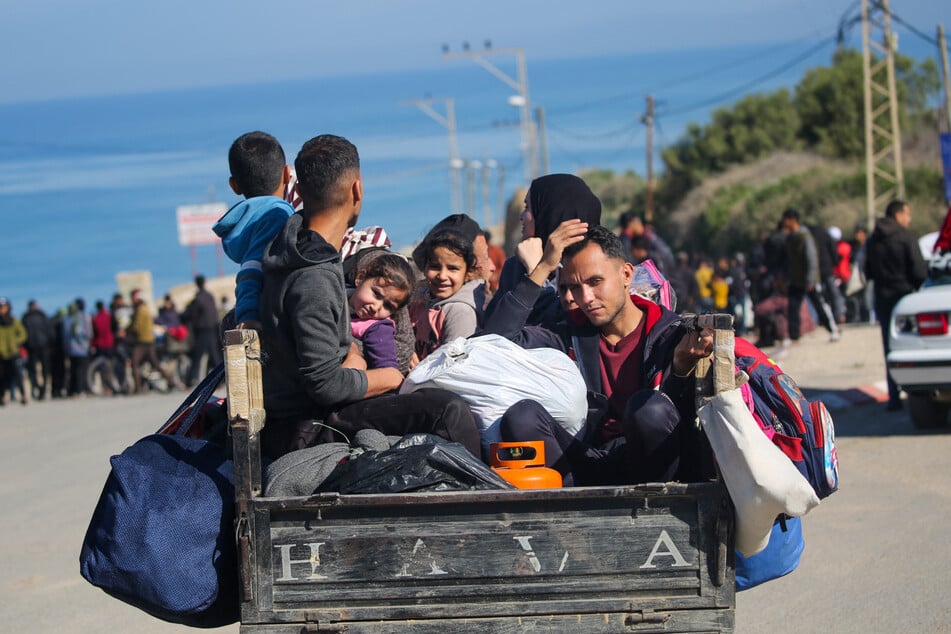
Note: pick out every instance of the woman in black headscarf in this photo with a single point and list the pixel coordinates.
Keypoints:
(550, 200)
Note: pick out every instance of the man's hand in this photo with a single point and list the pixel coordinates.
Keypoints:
(354, 359)
(567, 233)
(693, 346)
(413, 361)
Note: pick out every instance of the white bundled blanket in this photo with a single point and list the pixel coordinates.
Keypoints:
(491, 373)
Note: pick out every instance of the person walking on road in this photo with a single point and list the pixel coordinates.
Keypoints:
(201, 315)
(802, 277)
(77, 339)
(39, 339)
(894, 264)
(143, 348)
(12, 336)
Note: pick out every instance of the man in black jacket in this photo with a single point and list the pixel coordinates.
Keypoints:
(317, 387)
(893, 262)
(636, 357)
(201, 315)
(39, 338)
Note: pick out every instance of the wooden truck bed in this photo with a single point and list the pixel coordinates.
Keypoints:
(645, 558)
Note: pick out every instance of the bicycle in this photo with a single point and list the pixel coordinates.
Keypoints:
(110, 374)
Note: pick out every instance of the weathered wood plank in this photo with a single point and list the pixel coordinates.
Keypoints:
(243, 375)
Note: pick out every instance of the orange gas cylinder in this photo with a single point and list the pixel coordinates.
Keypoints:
(523, 464)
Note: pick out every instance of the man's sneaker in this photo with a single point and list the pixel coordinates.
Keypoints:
(835, 336)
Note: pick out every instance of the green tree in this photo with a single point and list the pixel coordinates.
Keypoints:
(831, 101)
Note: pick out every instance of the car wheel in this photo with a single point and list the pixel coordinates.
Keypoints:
(925, 412)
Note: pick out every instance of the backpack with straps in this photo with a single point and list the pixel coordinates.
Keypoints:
(803, 430)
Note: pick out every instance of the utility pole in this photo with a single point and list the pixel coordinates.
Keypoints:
(487, 165)
(648, 120)
(449, 122)
(946, 74)
(471, 168)
(542, 139)
(884, 176)
(521, 100)
(500, 197)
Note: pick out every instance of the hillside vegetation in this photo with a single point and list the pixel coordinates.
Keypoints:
(726, 182)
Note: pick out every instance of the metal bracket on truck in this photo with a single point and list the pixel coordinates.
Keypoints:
(647, 558)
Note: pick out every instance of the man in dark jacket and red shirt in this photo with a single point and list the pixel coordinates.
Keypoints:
(317, 387)
(893, 262)
(637, 360)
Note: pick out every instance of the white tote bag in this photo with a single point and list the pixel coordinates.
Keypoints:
(491, 373)
(761, 480)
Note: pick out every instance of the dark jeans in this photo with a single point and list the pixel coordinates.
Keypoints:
(204, 342)
(11, 378)
(430, 411)
(823, 310)
(657, 446)
(883, 311)
(77, 374)
(38, 369)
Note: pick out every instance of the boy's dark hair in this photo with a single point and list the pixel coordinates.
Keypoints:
(894, 208)
(200, 281)
(791, 213)
(99, 305)
(321, 164)
(601, 236)
(453, 241)
(394, 270)
(257, 163)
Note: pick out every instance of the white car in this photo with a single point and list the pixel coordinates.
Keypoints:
(920, 356)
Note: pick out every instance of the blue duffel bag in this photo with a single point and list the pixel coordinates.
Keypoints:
(162, 535)
(779, 558)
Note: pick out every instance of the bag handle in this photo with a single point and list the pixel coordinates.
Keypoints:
(198, 397)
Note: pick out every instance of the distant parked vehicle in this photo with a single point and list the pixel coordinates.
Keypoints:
(920, 356)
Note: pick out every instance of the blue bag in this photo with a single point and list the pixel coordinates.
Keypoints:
(162, 535)
(779, 558)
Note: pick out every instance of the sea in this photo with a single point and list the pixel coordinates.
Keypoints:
(89, 187)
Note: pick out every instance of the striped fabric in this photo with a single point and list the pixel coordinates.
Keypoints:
(358, 239)
(291, 194)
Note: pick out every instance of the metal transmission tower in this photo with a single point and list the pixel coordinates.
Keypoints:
(945, 74)
(521, 100)
(449, 122)
(883, 166)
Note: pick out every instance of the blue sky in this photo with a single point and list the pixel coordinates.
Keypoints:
(64, 48)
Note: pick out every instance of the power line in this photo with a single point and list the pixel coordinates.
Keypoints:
(751, 84)
(639, 93)
(927, 38)
(594, 136)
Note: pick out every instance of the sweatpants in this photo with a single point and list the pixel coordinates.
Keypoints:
(656, 447)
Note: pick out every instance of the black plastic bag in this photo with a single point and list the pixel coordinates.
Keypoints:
(418, 462)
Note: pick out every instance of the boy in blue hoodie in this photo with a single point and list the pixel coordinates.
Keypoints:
(259, 172)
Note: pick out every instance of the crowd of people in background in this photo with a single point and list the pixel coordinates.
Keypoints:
(458, 272)
(48, 356)
(765, 290)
